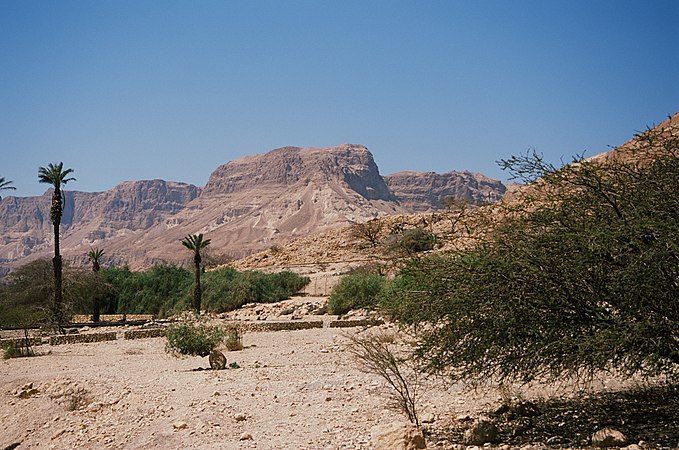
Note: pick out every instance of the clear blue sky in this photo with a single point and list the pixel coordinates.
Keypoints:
(125, 90)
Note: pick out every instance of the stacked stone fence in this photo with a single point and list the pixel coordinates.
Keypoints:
(19, 342)
(276, 326)
(82, 338)
(143, 334)
(160, 332)
(348, 323)
(85, 318)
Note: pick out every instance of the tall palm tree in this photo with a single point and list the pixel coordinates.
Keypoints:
(196, 243)
(6, 185)
(94, 256)
(55, 175)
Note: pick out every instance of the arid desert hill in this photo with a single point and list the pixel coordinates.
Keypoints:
(247, 205)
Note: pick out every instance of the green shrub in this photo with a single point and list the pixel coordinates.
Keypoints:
(193, 336)
(354, 291)
(580, 276)
(18, 351)
(227, 289)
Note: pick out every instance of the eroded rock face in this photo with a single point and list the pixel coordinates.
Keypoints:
(424, 191)
(248, 205)
(288, 166)
(88, 217)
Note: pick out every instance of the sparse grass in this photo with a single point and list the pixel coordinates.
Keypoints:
(15, 351)
(233, 341)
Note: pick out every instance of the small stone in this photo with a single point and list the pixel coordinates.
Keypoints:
(632, 447)
(397, 436)
(480, 432)
(94, 407)
(179, 425)
(608, 437)
(246, 437)
(428, 418)
(58, 433)
(239, 417)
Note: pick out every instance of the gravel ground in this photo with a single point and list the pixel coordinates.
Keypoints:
(290, 390)
(293, 390)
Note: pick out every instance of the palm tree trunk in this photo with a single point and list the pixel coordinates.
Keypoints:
(197, 292)
(58, 306)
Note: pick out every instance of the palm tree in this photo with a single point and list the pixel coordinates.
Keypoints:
(196, 243)
(94, 256)
(55, 175)
(6, 185)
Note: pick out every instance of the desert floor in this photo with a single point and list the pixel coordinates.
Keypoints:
(292, 390)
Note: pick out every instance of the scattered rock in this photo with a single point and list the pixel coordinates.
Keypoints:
(246, 437)
(217, 360)
(179, 425)
(58, 433)
(239, 417)
(608, 437)
(428, 418)
(25, 391)
(397, 436)
(481, 432)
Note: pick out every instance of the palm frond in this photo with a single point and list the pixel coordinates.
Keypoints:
(6, 184)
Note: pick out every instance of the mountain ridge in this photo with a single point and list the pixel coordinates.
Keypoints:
(248, 204)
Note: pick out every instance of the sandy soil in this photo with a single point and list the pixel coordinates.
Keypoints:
(293, 390)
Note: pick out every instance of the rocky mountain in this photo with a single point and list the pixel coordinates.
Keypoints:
(424, 191)
(248, 204)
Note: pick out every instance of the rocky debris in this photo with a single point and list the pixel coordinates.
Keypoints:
(608, 437)
(240, 417)
(397, 436)
(425, 191)
(292, 309)
(217, 360)
(427, 417)
(482, 431)
(245, 437)
(179, 425)
(25, 391)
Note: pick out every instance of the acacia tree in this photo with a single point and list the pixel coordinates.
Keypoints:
(580, 276)
(55, 175)
(196, 243)
(94, 255)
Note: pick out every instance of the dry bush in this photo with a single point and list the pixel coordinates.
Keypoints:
(234, 340)
(386, 354)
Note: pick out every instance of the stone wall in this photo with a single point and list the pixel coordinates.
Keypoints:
(143, 334)
(19, 342)
(82, 338)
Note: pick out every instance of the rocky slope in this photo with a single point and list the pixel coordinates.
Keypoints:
(248, 204)
(424, 191)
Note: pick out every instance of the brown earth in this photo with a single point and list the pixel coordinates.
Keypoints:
(291, 390)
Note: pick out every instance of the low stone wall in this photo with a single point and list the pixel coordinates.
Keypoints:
(287, 325)
(143, 334)
(85, 318)
(20, 342)
(82, 338)
(356, 323)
